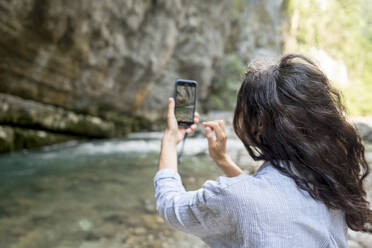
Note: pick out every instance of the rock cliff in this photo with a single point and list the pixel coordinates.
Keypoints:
(101, 69)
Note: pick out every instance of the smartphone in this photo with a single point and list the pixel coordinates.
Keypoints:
(185, 101)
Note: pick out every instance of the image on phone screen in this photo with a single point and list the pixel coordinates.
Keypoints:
(185, 99)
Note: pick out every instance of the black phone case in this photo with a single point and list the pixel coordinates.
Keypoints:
(185, 123)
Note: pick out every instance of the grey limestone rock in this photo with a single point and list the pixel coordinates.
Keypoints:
(112, 60)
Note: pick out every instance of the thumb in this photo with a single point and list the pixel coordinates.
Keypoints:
(172, 122)
(170, 106)
(209, 135)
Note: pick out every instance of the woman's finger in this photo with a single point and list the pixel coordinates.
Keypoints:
(196, 117)
(191, 128)
(216, 127)
(221, 123)
(172, 121)
(171, 107)
(209, 136)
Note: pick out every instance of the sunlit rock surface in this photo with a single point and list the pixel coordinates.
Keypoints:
(261, 30)
(114, 60)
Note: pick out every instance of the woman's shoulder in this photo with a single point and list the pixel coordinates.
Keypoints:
(265, 182)
(224, 184)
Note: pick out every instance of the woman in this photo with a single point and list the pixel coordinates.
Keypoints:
(309, 189)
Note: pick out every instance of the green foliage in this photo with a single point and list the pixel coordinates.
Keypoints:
(343, 29)
(238, 7)
(223, 95)
(358, 98)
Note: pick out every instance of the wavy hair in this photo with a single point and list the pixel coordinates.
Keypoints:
(289, 112)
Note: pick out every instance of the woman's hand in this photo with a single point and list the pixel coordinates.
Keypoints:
(217, 148)
(173, 132)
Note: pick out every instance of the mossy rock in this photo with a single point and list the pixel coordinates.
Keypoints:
(15, 138)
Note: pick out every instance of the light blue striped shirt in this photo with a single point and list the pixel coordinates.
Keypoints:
(261, 210)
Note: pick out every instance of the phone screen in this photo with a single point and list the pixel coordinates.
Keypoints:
(185, 100)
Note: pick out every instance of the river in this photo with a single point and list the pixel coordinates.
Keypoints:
(100, 194)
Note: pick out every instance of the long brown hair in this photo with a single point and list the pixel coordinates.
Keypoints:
(289, 112)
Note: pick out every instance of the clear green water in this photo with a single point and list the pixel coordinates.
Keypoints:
(89, 195)
(96, 194)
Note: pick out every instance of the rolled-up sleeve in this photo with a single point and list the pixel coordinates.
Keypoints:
(200, 212)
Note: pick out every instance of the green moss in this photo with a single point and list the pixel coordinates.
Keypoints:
(6, 139)
(238, 7)
(15, 138)
(223, 95)
(139, 123)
